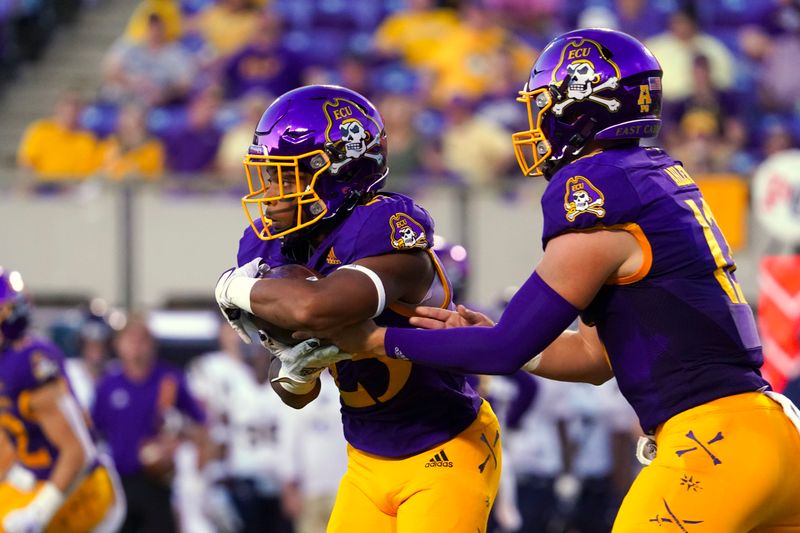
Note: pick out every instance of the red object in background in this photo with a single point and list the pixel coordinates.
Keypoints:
(779, 318)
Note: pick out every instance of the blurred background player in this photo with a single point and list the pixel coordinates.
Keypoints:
(58, 482)
(421, 441)
(249, 423)
(317, 461)
(138, 411)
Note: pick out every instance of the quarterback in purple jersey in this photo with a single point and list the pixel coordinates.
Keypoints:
(51, 476)
(424, 452)
(633, 249)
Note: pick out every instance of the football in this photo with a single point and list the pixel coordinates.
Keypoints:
(290, 271)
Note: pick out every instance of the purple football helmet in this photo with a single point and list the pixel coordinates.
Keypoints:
(317, 151)
(587, 84)
(14, 307)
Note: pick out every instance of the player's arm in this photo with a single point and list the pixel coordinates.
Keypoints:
(574, 268)
(57, 413)
(61, 420)
(345, 297)
(577, 356)
(7, 455)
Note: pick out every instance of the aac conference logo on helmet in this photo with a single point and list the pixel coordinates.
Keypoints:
(583, 197)
(345, 130)
(582, 66)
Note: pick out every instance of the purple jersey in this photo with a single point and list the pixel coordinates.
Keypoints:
(128, 413)
(30, 364)
(390, 407)
(678, 332)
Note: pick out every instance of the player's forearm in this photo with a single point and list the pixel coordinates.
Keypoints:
(69, 466)
(533, 319)
(303, 305)
(569, 358)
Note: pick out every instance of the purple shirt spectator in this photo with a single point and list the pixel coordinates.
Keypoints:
(192, 146)
(127, 413)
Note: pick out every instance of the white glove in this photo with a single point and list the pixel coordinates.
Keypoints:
(301, 365)
(35, 516)
(229, 293)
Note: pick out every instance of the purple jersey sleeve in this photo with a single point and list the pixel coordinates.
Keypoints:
(387, 224)
(43, 363)
(588, 195)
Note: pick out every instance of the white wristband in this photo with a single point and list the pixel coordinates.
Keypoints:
(533, 364)
(20, 478)
(376, 280)
(238, 292)
(48, 500)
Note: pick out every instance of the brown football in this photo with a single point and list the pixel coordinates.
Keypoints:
(291, 271)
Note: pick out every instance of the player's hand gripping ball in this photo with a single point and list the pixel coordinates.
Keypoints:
(291, 271)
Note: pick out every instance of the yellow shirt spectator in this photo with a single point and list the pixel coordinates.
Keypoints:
(168, 10)
(413, 35)
(56, 153)
(228, 25)
(145, 160)
(463, 64)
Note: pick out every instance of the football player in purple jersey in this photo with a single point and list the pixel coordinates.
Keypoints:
(424, 452)
(56, 480)
(633, 249)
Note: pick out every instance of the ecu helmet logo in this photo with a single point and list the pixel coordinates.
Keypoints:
(585, 71)
(346, 132)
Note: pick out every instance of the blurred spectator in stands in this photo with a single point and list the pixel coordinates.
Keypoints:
(496, 104)
(263, 64)
(168, 10)
(703, 95)
(461, 62)
(155, 71)
(192, 145)
(131, 152)
(398, 112)
(778, 86)
(676, 49)
(412, 33)
(532, 17)
(238, 137)
(94, 351)
(777, 137)
(228, 25)
(433, 169)
(636, 18)
(140, 410)
(353, 72)
(699, 144)
(475, 147)
(57, 148)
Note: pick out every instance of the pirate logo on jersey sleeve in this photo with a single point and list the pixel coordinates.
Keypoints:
(406, 232)
(582, 197)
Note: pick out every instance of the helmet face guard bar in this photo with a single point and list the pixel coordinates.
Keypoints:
(532, 147)
(295, 177)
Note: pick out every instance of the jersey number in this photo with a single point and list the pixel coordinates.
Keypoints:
(725, 265)
(32, 459)
(399, 371)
